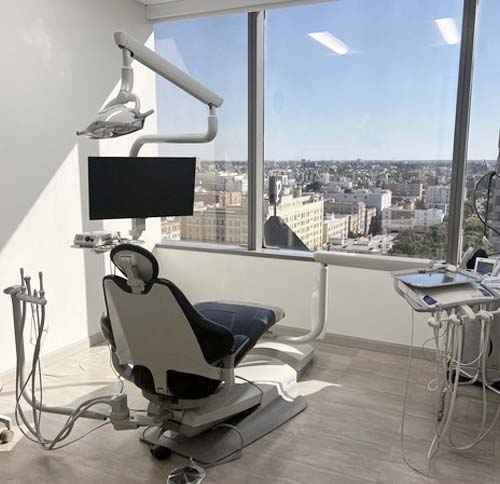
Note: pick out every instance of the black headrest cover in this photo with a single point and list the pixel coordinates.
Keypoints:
(145, 261)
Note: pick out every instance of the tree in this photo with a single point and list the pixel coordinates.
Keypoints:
(473, 235)
(468, 209)
(430, 244)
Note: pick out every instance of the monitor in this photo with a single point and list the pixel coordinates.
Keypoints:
(485, 266)
(122, 187)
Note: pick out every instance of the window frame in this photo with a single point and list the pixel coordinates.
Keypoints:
(256, 62)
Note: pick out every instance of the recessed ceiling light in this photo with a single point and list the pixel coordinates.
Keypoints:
(449, 30)
(328, 40)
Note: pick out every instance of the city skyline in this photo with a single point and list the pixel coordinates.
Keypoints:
(377, 207)
(392, 97)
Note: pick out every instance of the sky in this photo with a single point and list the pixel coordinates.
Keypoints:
(391, 97)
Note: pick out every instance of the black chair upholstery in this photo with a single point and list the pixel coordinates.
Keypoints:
(220, 328)
(239, 319)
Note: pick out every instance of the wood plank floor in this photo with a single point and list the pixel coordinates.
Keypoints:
(349, 433)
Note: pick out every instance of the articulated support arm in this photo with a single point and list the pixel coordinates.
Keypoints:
(320, 322)
(206, 137)
(147, 57)
(168, 71)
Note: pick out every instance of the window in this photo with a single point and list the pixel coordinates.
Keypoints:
(214, 51)
(484, 134)
(359, 105)
(359, 122)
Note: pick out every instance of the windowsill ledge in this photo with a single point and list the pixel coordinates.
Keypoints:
(237, 250)
(266, 253)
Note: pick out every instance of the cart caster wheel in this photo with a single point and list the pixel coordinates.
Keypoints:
(160, 453)
(6, 436)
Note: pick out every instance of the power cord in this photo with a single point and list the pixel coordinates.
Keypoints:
(202, 466)
(490, 175)
(229, 458)
(405, 401)
(449, 362)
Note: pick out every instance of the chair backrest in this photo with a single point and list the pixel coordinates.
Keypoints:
(155, 327)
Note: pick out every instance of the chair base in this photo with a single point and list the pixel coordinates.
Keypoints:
(224, 441)
(264, 397)
(259, 380)
(299, 357)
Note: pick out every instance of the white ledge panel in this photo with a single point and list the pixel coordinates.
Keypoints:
(176, 9)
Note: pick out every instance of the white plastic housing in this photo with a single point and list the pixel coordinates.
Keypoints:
(167, 70)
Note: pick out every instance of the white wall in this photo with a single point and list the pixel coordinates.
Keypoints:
(59, 64)
(362, 303)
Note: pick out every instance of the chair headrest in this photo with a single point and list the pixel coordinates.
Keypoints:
(137, 264)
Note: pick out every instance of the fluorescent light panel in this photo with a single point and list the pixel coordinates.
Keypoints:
(449, 30)
(328, 40)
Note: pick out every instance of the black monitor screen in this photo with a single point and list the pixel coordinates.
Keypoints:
(121, 187)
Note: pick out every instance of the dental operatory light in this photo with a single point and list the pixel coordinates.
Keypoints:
(122, 115)
(115, 120)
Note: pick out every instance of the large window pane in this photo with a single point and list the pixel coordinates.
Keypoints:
(359, 120)
(214, 51)
(483, 135)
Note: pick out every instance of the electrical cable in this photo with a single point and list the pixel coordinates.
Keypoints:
(236, 454)
(450, 363)
(484, 328)
(229, 458)
(405, 401)
(484, 221)
(444, 424)
(253, 384)
(482, 433)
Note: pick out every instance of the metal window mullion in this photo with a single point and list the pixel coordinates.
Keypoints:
(255, 130)
(460, 143)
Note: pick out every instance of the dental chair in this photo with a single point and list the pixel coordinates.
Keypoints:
(209, 394)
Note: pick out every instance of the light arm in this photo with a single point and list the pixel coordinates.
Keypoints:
(206, 137)
(167, 70)
(171, 73)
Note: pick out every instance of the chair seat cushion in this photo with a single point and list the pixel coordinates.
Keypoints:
(244, 319)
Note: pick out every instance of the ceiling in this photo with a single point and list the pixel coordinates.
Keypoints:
(155, 2)
(158, 10)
